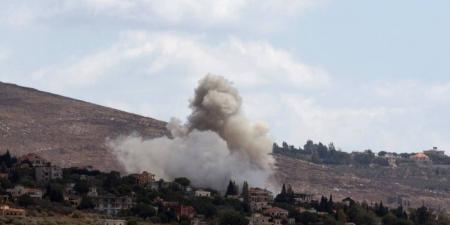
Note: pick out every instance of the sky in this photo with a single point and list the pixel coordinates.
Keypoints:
(361, 74)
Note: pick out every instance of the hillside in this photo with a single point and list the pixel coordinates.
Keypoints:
(70, 132)
(66, 131)
(410, 185)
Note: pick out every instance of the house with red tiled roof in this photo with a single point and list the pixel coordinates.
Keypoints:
(184, 211)
(276, 212)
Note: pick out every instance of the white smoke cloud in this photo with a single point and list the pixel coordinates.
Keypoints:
(217, 144)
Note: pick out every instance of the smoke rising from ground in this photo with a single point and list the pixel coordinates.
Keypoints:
(218, 142)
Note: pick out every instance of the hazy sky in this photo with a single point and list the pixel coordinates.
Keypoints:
(361, 74)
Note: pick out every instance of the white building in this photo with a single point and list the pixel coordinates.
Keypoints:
(92, 192)
(20, 190)
(276, 212)
(111, 204)
(202, 193)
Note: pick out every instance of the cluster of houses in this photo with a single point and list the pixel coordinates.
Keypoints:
(419, 157)
(260, 200)
(263, 213)
(44, 172)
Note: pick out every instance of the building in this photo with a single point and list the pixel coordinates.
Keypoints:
(111, 204)
(303, 197)
(33, 160)
(6, 211)
(44, 174)
(202, 193)
(69, 189)
(92, 192)
(259, 219)
(291, 221)
(435, 151)
(154, 186)
(4, 175)
(73, 200)
(276, 212)
(391, 158)
(144, 178)
(421, 157)
(184, 211)
(277, 221)
(302, 210)
(259, 199)
(114, 222)
(20, 190)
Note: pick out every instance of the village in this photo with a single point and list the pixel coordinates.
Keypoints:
(109, 204)
(29, 183)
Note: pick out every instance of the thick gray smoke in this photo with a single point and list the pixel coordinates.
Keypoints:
(217, 144)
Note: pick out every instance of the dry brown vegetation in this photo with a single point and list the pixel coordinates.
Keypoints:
(66, 131)
(413, 184)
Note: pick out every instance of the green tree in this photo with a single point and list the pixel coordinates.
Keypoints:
(132, 222)
(399, 212)
(182, 181)
(282, 195)
(55, 192)
(231, 189)
(341, 217)
(443, 219)
(86, 203)
(143, 210)
(422, 216)
(204, 207)
(25, 200)
(381, 210)
(246, 196)
(82, 187)
(389, 219)
(307, 218)
(329, 220)
(112, 181)
(231, 217)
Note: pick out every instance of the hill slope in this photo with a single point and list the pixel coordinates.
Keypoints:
(410, 185)
(70, 132)
(66, 131)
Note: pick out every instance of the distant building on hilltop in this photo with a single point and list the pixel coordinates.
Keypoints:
(420, 157)
(436, 151)
(391, 158)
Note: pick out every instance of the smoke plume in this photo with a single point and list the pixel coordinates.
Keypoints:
(218, 142)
